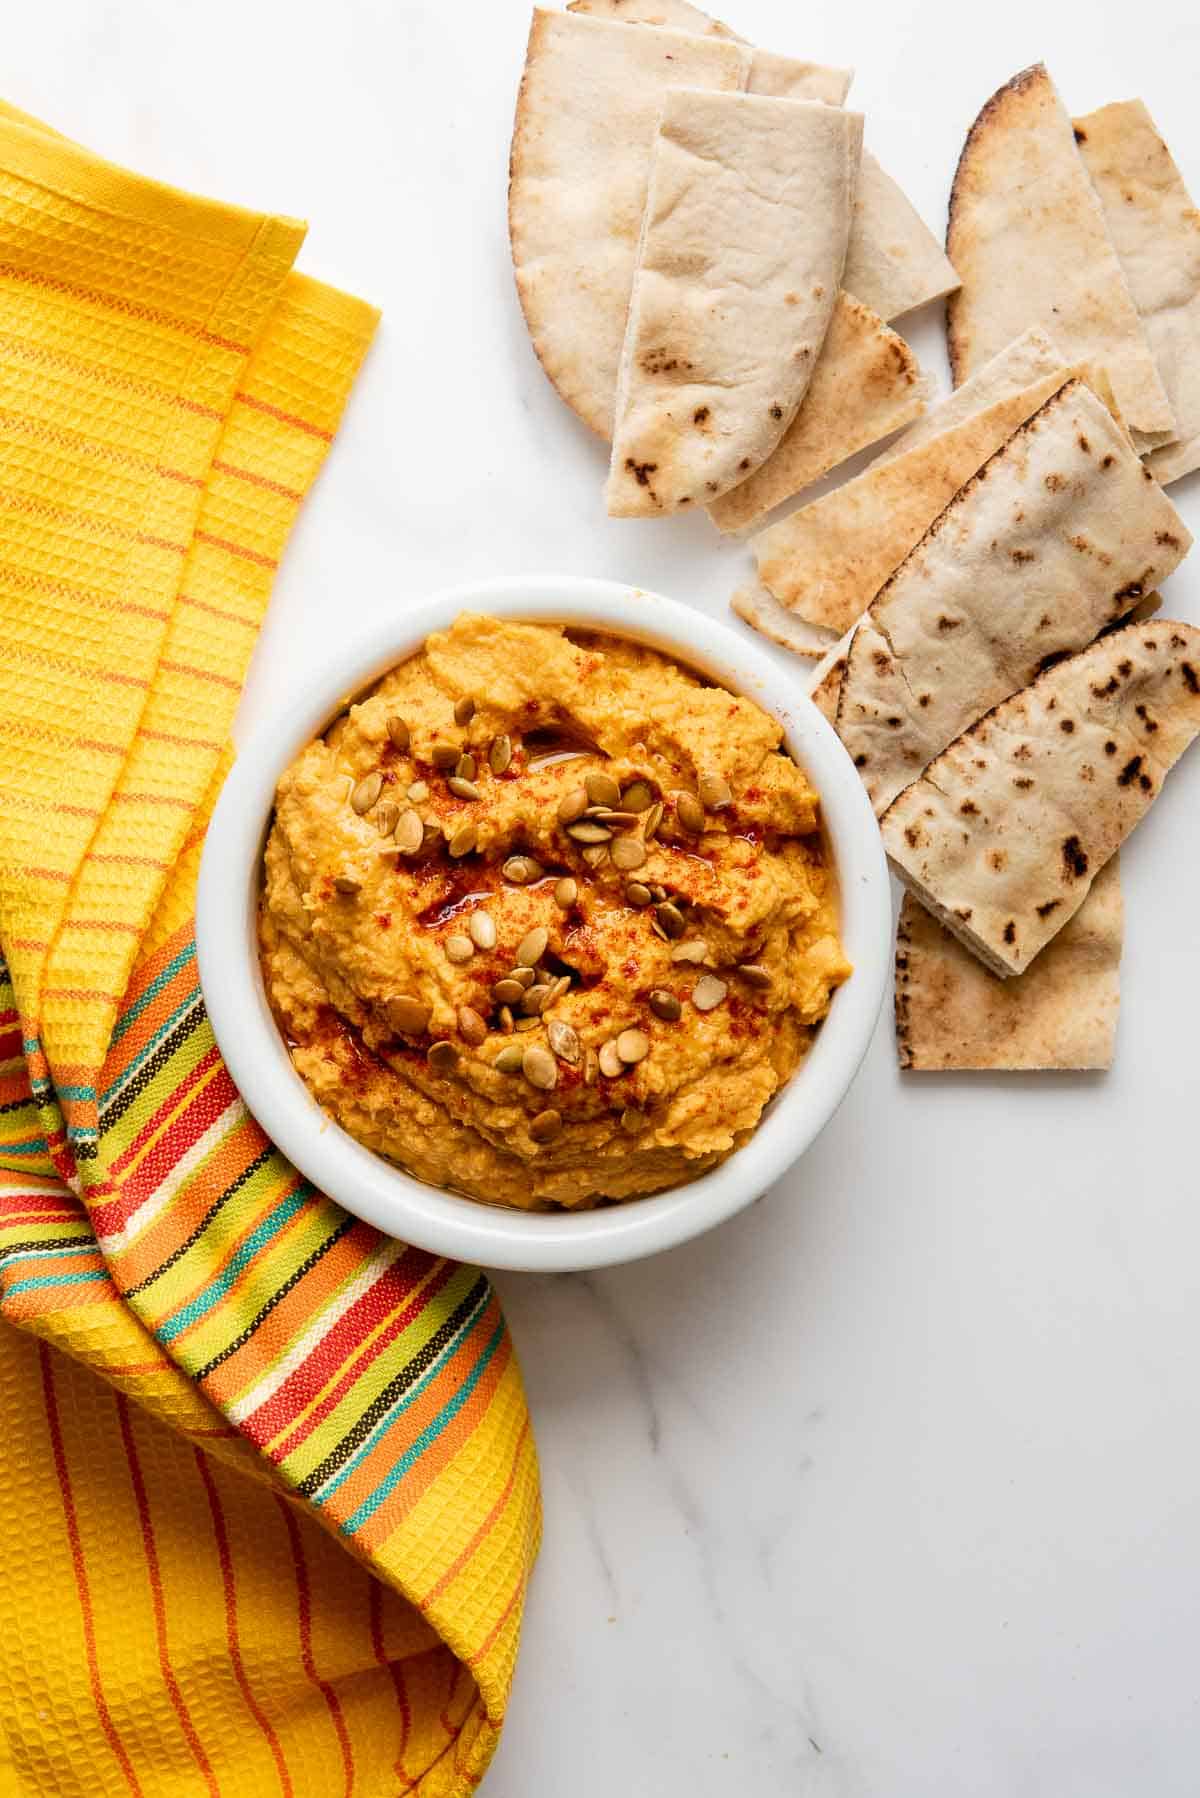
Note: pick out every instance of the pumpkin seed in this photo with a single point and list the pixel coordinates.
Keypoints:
(632, 1119)
(708, 992)
(445, 755)
(588, 832)
(471, 1027)
(464, 710)
(482, 928)
(657, 893)
(532, 947)
(524, 977)
(715, 792)
(459, 948)
(690, 813)
(408, 833)
(366, 792)
(561, 985)
(463, 840)
(398, 733)
(600, 814)
(633, 1046)
(442, 1057)
(539, 1068)
(509, 1060)
(637, 894)
(533, 1002)
(695, 949)
(627, 853)
(638, 796)
(346, 885)
(521, 869)
(528, 1024)
(611, 1065)
(591, 1067)
(654, 818)
(463, 789)
(506, 1020)
(566, 892)
(671, 919)
(387, 817)
(572, 805)
(545, 1125)
(564, 1040)
(754, 974)
(466, 767)
(418, 792)
(595, 855)
(602, 789)
(408, 1015)
(665, 1005)
(508, 992)
(500, 754)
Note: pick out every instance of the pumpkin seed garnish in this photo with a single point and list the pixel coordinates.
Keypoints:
(566, 892)
(633, 1046)
(715, 792)
(528, 1024)
(506, 1020)
(463, 840)
(533, 1002)
(572, 805)
(463, 789)
(521, 869)
(500, 754)
(602, 789)
(627, 853)
(588, 832)
(471, 1027)
(638, 796)
(482, 928)
(611, 1065)
(657, 893)
(524, 977)
(418, 792)
(366, 792)
(509, 1060)
(445, 755)
(564, 1040)
(532, 947)
(459, 948)
(665, 1005)
(442, 1057)
(508, 991)
(546, 1125)
(654, 818)
(591, 1067)
(695, 950)
(407, 1014)
(708, 992)
(466, 767)
(754, 974)
(408, 833)
(464, 710)
(561, 985)
(387, 817)
(595, 855)
(637, 894)
(346, 885)
(690, 813)
(670, 918)
(398, 733)
(539, 1068)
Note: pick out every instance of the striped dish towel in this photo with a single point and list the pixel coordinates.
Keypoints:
(270, 1489)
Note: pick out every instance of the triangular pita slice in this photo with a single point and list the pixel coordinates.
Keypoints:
(1155, 228)
(1061, 1013)
(829, 559)
(739, 266)
(1028, 238)
(1058, 536)
(894, 262)
(867, 384)
(586, 117)
(1003, 835)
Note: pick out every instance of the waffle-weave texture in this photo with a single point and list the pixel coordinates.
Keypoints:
(282, 1542)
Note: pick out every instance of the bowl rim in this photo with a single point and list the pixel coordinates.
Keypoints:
(430, 1217)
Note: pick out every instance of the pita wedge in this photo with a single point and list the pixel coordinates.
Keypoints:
(586, 117)
(1028, 238)
(1061, 1013)
(1058, 536)
(1155, 229)
(740, 263)
(828, 560)
(867, 384)
(1003, 835)
(894, 262)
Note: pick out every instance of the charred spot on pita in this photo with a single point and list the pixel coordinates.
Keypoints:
(1043, 911)
(1074, 856)
(1010, 931)
(1190, 678)
(1130, 771)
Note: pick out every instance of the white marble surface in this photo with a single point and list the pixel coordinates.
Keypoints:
(891, 1488)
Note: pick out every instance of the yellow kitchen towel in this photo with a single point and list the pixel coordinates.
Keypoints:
(271, 1491)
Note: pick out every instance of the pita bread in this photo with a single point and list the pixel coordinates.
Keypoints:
(828, 560)
(1028, 238)
(756, 606)
(1005, 832)
(827, 686)
(867, 384)
(1155, 229)
(586, 117)
(1058, 535)
(1061, 1013)
(736, 280)
(894, 263)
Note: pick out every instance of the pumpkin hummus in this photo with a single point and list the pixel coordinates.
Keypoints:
(546, 918)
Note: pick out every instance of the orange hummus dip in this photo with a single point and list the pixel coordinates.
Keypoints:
(547, 919)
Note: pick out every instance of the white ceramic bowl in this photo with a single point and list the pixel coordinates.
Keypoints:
(441, 1221)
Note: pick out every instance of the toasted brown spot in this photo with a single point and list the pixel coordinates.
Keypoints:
(1087, 772)
(1067, 725)
(745, 462)
(860, 761)
(1166, 539)
(924, 699)
(1145, 782)
(969, 809)
(1107, 461)
(882, 662)
(1045, 621)
(965, 913)
(1110, 686)
(1054, 483)
(1191, 681)
(776, 411)
(641, 471)
(1130, 771)
(1110, 747)
(1043, 911)
(1080, 136)
(998, 861)
(1022, 752)
(1177, 642)
(700, 415)
(1024, 782)
(1143, 713)
(1084, 445)
(912, 836)
(1010, 931)
(948, 624)
(1021, 556)
(1074, 856)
